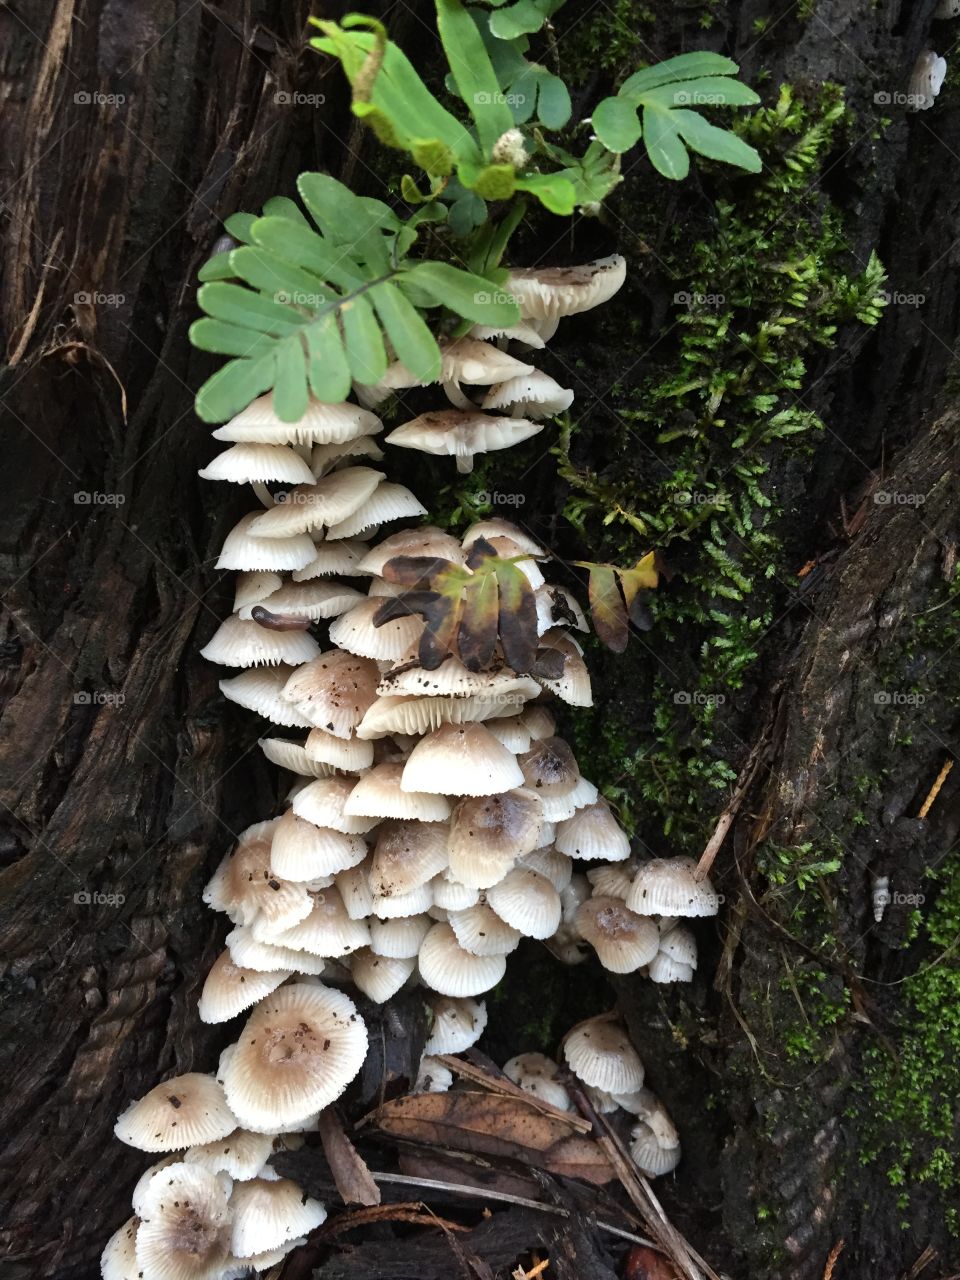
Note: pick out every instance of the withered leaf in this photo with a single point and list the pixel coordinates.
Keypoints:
(411, 571)
(491, 1124)
(549, 664)
(518, 617)
(642, 577)
(579, 1157)
(480, 552)
(477, 636)
(350, 1173)
(647, 1264)
(607, 608)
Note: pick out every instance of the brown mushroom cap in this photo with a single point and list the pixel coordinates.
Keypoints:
(184, 1233)
(623, 941)
(334, 691)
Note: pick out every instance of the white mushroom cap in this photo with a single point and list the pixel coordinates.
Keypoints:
(678, 942)
(399, 938)
(536, 1074)
(623, 941)
(387, 502)
(177, 1114)
(302, 851)
(407, 714)
(268, 957)
(342, 556)
(326, 457)
(593, 832)
(450, 969)
(380, 977)
(452, 680)
(518, 332)
(257, 463)
(406, 855)
(400, 905)
(355, 631)
(321, 424)
(546, 861)
(535, 394)
(313, 600)
(333, 692)
(184, 1232)
(462, 360)
(239, 643)
(425, 540)
(451, 894)
(259, 690)
(461, 434)
(546, 294)
(379, 794)
(648, 1155)
(322, 803)
(318, 504)
(511, 732)
(229, 989)
(488, 833)
(599, 1053)
(480, 931)
(669, 887)
(267, 1213)
(926, 80)
(247, 885)
(663, 968)
(354, 887)
(432, 1076)
(614, 880)
(540, 723)
(253, 588)
(527, 901)
(461, 759)
(496, 528)
(148, 1175)
(300, 1049)
(550, 768)
(327, 931)
(347, 753)
(577, 891)
(457, 1023)
(291, 755)
(240, 1154)
(572, 686)
(243, 549)
(119, 1258)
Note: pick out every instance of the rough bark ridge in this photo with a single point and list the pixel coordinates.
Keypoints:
(108, 209)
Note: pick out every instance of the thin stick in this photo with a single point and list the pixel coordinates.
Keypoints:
(725, 821)
(935, 789)
(503, 1197)
(508, 1089)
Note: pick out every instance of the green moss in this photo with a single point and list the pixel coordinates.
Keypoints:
(614, 39)
(759, 291)
(907, 1103)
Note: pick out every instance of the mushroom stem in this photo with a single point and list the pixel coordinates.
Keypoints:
(464, 463)
(263, 493)
(457, 397)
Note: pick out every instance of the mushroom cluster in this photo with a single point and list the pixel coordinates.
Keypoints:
(434, 819)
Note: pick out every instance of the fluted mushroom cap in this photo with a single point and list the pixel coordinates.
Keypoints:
(488, 833)
(613, 880)
(493, 529)
(184, 1232)
(325, 458)
(241, 1154)
(452, 894)
(260, 689)
(351, 754)
(300, 1049)
(546, 294)
(453, 971)
(380, 977)
(622, 940)
(321, 424)
(461, 434)
(670, 887)
(267, 957)
(648, 1155)
(322, 803)
(343, 555)
(452, 680)
(380, 794)
(356, 632)
(248, 884)
(599, 1053)
(253, 588)
(546, 861)
(318, 504)
(302, 851)
(229, 989)
(424, 540)
(258, 463)
(119, 1258)
(432, 1076)
(267, 1213)
(399, 938)
(248, 551)
(593, 832)
(244, 643)
(527, 901)
(458, 1023)
(314, 600)
(572, 685)
(292, 756)
(461, 760)
(535, 394)
(387, 502)
(327, 931)
(406, 855)
(333, 692)
(480, 931)
(536, 1074)
(179, 1113)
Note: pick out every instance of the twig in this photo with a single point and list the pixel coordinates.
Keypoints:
(935, 789)
(503, 1197)
(725, 821)
(412, 1212)
(835, 1253)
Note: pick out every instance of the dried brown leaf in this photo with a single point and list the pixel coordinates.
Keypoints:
(350, 1172)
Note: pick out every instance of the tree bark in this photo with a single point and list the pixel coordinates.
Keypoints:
(130, 130)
